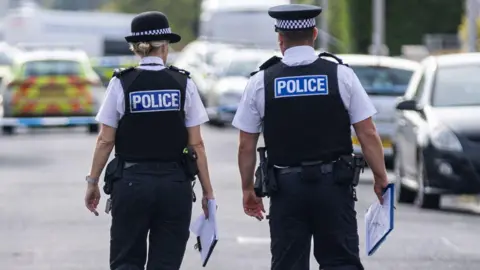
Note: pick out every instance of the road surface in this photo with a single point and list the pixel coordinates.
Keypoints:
(44, 225)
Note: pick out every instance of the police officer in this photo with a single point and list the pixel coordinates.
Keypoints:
(150, 114)
(305, 106)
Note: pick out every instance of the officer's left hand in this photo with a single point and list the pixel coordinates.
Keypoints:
(92, 198)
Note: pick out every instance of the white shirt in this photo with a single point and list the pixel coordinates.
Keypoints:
(113, 107)
(251, 109)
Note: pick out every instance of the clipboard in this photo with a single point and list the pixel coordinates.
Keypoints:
(380, 218)
(198, 246)
(207, 233)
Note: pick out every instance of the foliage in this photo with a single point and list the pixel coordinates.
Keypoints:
(182, 14)
(339, 24)
(407, 21)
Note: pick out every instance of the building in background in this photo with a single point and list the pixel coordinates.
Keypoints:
(234, 21)
(75, 4)
(57, 4)
(98, 33)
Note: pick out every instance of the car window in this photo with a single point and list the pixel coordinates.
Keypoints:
(51, 68)
(5, 59)
(457, 86)
(383, 80)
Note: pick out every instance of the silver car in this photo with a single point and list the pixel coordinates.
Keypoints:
(196, 58)
(228, 81)
(385, 79)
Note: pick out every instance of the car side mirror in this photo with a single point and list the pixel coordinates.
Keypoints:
(408, 105)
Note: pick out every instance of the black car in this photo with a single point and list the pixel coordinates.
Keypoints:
(437, 140)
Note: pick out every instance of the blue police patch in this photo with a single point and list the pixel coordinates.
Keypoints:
(298, 86)
(154, 101)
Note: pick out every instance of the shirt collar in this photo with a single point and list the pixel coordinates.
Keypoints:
(152, 60)
(299, 52)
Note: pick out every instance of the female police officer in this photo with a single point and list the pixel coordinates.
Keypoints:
(150, 114)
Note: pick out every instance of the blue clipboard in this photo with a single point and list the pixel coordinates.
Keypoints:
(390, 190)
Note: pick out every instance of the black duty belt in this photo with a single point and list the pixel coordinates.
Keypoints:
(152, 164)
(324, 167)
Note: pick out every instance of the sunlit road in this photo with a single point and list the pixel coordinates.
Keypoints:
(44, 225)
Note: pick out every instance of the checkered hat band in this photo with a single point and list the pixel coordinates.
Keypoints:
(153, 32)
(296, 24)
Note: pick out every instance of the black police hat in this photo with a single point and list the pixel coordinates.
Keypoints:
(294, 17)
(151, 26)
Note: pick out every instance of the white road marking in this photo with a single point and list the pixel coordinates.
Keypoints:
(253, 240)
(450, 244)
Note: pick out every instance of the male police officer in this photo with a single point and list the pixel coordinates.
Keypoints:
(307, 105)
(150, 114)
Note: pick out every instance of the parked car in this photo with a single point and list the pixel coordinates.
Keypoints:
(51, 87)
(385, 79)
(437, 141)
(196, 58)
(230, 76)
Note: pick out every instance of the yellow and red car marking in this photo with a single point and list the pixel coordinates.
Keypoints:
(73, 96)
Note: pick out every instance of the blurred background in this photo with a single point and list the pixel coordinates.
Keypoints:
(417, 60)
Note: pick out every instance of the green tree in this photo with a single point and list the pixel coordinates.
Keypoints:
(182, 14)
(407, 21)
(339, 24)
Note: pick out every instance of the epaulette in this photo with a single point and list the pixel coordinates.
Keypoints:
(179, 70)
(118, 72)
(270, 62)
(326, 54)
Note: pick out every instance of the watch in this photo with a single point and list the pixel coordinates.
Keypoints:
(91, 180)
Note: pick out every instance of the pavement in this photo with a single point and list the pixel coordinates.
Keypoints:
(45, 226)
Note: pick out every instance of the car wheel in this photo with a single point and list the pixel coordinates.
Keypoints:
(403, 194)
(8, 130)
(216, 123)
(424, 200)
(93, 129)
(390, 163)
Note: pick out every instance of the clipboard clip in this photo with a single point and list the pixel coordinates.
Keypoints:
(198, 246)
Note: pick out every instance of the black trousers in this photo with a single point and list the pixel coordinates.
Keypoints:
(319, 208)
(154, 201)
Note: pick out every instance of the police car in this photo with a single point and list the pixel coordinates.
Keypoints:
(385, 79)
(230, 76)
(51, 87)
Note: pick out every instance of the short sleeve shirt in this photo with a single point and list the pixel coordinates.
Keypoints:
(113, 106)
(250, 112)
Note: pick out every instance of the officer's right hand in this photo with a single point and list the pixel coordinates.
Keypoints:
(252, 205)
(206, 197)
(92, 198)
(379, 188)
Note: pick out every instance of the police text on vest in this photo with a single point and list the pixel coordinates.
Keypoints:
(154, 101)
(297, 86)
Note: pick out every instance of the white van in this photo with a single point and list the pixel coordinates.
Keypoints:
(244, 22)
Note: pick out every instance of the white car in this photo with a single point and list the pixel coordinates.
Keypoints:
(230, 76)
(385, 79)
(196, 58)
